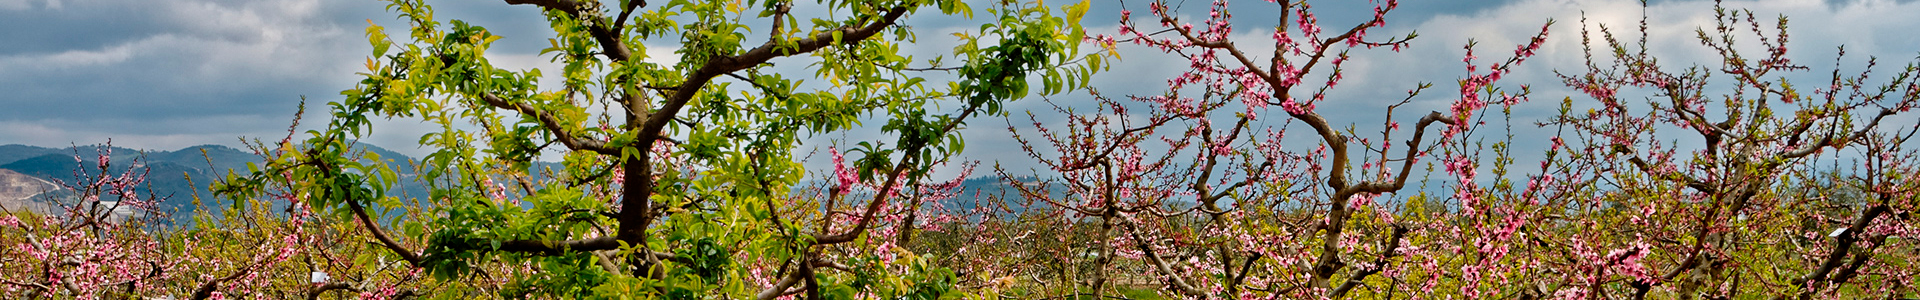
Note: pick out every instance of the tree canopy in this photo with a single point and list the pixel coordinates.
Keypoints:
(620, 175)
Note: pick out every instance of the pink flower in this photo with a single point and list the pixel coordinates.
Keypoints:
(494, 189)
(844, 176)
(619, 176)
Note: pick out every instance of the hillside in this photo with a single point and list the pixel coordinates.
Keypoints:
(175, 176)
(179, 176)
(17, 191)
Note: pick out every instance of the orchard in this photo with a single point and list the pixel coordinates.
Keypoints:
(796, 150)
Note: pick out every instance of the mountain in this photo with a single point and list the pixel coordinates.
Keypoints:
(175, 176)
(1004, 198)
(993, 195)
(179, 176)
(975, 190)
(10, 153)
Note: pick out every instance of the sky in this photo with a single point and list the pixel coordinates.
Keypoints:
(167, 74)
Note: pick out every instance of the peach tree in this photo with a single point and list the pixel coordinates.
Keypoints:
(1200, 191)
(1735, 178)
(679, 178)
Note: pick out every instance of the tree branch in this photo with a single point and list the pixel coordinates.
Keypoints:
(412, 258)
(1393, 250)
(1843, 245)
(552, 124)
(1407, 161)
(1160, 265)
(607, 36)
(637, 197)
(556, 247)
(315, 292)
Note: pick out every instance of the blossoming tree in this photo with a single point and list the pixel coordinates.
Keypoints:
(88, 244)
(1732, 181)
(105, 238)
(680, 179)
(1195, 188)
(1200, 189)
(686, 179)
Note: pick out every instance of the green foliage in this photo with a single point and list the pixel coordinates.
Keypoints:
(680, 178)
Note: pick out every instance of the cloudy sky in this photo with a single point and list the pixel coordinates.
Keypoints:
(165, 74)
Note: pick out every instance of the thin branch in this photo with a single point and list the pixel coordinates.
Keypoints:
(412, 257)
(1159, 265)
(552, 124)
(1843, 245)
(316, 291)
(1393, 250)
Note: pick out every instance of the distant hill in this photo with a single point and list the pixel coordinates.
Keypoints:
(180, 175)
(976, 191)
(176, 176)
(989, 194)
(10, 153)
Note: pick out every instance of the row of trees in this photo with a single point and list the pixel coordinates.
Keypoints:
(686, 179)
(1618, 209)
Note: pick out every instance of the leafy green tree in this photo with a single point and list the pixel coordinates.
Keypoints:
(680, 179)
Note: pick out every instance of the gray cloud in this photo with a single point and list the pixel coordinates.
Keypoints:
(168, 67)
(1377, 78)
(36, 26)
(167, 74)
(171, 73)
